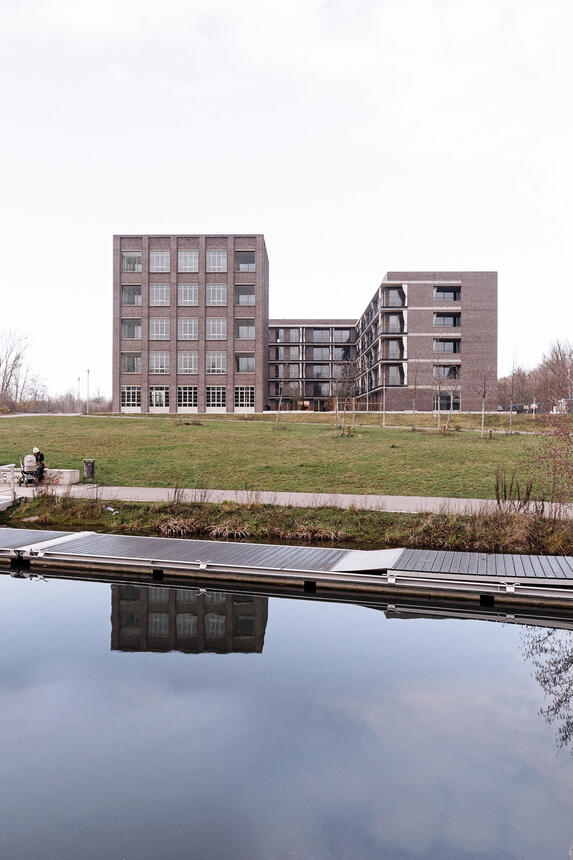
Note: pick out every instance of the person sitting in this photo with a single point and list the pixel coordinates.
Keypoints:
(39, 463)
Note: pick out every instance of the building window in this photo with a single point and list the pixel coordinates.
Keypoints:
(216, 294)
(320, 353)
(159, 295)
(187, 362)
(131, 261)
(188, 261)
(130, 294)
(216, 396)
(320, 335)
(216, 362)
(245, 362)
(395, 374)
(187, 294)
(394, 349)
(320, 371)
(395, 299)
(186, 624)
(447, 294)
(447, 319)
(187, 328)
(244, 396)
(394, 323)
(216, 261)
(131, 329)
(317, 389)
(159, 362)
(214, 624)
(341, 353)
(451, 346)
(158, 624)
(159, 261)
(245, 329)
(131, 395)
(244, 261)
(187, 395)
(159, 328)
(244, 294)
(446, 371)
(216, 328)
(159, 395)
(446, 401)
(131, 362)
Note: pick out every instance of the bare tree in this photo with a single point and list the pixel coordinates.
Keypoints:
(289, 390)
(551, 654)
(346, 387)
(484, 383)
(414, 377)
(13, 368)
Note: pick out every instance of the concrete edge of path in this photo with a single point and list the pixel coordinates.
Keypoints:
(391, 504)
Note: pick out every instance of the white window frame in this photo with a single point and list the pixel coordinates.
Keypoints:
(188, 361)
(215, 397)
(136, 267)
(215, 295)
(187, 295)
(159, 261)
(187, 328)
(216, 362)
(190, 265)
(131, 396)
(187, 397)
(159, 295)
(244, 396)
(216, 328)
(216, 260)
(159, 362)
(157, 394)
(159, 328)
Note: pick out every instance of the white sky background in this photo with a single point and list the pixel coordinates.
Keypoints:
(357, 136)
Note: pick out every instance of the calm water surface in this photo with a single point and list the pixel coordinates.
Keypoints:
(295, 730)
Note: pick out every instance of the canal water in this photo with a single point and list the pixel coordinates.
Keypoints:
(147, 723)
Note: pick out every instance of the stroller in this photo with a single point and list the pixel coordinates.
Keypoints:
(28, 474)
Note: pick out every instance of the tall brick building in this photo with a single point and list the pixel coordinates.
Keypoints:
(192, 334)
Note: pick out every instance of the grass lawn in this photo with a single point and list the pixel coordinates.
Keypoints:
(238, 454)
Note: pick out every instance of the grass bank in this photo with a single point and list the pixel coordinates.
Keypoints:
(498, 532)
(257, 455)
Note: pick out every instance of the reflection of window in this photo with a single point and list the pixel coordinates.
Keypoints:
(131, 261)
(129, 592)
(215, 597)
(244, 396)
(243, 625)
(341, 335)
(131, 395)
(320, 371)
(216, 362)
(159, 261)
(187, 362)
(214, 624)
(157, 595)
(159, 328)
(245, 329)
(188, 261)
(187, 294)
(159, 295)
(244, 295)
(186, 624)
(187, 328)
(158, 623)
(159, 395)
(321, 353)
(216, 328)
(131, 362)
(447, 294)
(245, 363)
(321, 335)
(216, 261)
(131, 329)
(215, 396)
(216, 294)
(244, 261)
(186, 595)
(159, 362)
(129, 623)
(186, 395)
(131, 294)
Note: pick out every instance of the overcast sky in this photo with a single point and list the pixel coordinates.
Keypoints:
(357, 136)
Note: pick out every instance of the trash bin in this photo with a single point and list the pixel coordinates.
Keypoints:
(89, 470)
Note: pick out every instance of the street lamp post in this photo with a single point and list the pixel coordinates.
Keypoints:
(88, 392)
(384, 399)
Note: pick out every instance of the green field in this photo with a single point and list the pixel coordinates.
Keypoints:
(254, 454)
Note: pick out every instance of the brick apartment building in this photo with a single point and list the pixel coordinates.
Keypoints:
(192, 334)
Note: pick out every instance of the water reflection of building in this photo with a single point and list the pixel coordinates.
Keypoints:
(186, 619)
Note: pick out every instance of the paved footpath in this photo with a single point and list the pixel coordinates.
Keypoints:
(403, 504)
